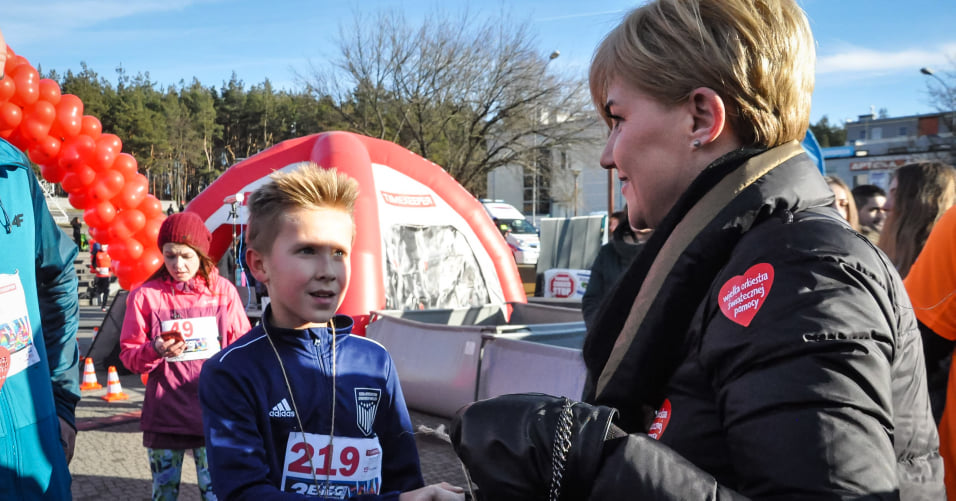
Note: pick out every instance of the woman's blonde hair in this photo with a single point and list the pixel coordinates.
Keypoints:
(924, 190)
(758, 55)
(307, 186)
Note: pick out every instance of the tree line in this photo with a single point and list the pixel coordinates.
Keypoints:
(184, 136)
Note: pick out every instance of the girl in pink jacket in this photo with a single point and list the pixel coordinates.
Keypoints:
(176, 320)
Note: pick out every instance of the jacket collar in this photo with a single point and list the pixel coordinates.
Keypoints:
(195, 285)
(343, 326)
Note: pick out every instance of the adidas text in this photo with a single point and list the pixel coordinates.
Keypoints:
(281, 409)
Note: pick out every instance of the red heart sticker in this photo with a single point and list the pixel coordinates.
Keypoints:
(661, 418)
(743, 296)
(4, 364)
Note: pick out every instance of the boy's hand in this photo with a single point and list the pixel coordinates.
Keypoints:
(435, 492)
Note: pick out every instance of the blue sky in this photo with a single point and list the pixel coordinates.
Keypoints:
(869, 52)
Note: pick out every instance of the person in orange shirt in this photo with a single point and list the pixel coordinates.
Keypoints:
(102, 273)
(931, 285)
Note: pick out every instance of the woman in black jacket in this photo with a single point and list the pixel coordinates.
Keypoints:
(758, 347)
(613, 258)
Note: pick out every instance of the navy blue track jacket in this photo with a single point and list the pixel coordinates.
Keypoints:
(251, 422)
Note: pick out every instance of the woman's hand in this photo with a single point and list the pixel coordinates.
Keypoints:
(168, 348)
(435, 492)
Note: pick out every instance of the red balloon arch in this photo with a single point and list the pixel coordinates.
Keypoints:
(99, 178)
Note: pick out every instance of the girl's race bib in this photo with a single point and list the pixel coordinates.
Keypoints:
(201, 335)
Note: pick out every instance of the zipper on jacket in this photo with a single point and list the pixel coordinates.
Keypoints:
(325, 371)
(6, 219)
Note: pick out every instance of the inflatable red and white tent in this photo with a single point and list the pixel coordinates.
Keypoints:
(423, 241)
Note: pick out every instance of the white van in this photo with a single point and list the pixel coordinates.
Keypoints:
(520, 235)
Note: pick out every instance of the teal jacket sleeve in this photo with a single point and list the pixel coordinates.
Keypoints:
(59, 305)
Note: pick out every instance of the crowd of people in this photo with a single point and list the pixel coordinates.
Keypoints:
(751, 334)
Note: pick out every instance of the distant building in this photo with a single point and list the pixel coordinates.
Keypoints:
(878, 146)
(570, 180)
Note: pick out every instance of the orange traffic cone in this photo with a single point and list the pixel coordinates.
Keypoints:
(89, 377)
(114, 388)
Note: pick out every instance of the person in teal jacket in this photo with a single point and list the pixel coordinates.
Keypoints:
(39, 357)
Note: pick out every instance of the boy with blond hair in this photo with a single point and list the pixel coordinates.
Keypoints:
(298, 405)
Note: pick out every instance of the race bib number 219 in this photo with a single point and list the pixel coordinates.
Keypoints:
(342, 469)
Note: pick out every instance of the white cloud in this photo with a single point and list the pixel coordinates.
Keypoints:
(858, 60)
(582, 14)
(45, 18)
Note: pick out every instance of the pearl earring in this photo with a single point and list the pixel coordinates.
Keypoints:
(696, 144)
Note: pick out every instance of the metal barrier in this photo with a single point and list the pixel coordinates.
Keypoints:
(448, 358)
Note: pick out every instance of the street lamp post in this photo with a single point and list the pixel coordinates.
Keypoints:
(534, 151)
(950, 101)
(574, 194)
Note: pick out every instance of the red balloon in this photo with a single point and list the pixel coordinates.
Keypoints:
(151, 207)
(134, 249)
(42, 111)
(79, 200)
(13, 61)
(91, 126)
(27, 81)
(101, 234)
(18, 139)
(149, 235)
(108, 146)
(45, 151)
(7, 88)
(33, 130)
(78, 180)
(133, 192)
(37, 119)
(133, 274)
(126, 165)
(100, 214)
(76, 150)
(69, 115)
(125, 268)
(125, 284)
(127, 223)
(117, 252)
(52, 172)
(49, 91)
(127, 249)
(106, 186)
(10, 116)
(150, 261)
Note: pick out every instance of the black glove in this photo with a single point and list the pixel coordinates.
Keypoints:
(508, 445)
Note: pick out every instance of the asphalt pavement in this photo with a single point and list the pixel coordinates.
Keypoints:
(110, 460)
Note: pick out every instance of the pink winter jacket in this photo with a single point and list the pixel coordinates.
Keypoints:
(171, 403)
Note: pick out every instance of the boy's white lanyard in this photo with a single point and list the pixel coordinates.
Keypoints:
(295, 408)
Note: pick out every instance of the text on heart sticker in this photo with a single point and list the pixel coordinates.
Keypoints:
(742, 297)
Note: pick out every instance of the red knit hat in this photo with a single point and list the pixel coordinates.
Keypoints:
(185, 228)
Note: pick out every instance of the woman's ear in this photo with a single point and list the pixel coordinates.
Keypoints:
(709, 114)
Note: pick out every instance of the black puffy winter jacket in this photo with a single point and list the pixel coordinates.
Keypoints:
(762, 349)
